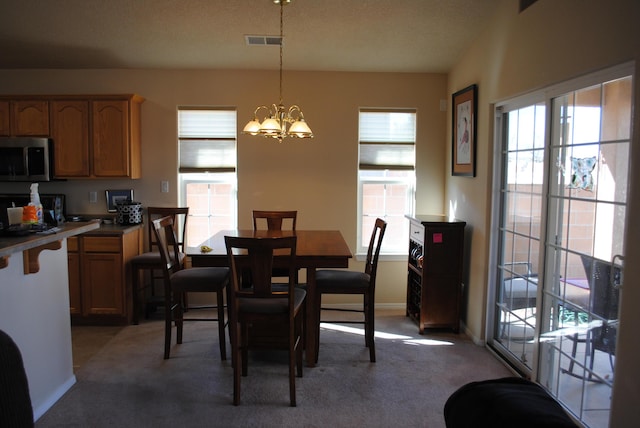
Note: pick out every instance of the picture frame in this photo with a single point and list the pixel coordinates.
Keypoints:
(463, 131)
(113, 196)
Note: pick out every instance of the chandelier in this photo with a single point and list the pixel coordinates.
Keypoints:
(279, 122)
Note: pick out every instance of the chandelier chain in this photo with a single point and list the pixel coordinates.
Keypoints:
(281, 42)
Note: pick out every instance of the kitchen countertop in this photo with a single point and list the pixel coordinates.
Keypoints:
(13, 244)
(112, 229)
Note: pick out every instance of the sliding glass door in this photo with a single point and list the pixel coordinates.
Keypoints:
(559, 217)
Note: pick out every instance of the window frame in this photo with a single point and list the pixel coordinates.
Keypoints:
(224, 173)
(400, 252)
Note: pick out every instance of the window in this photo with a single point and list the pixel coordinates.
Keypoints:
(207, 169)
(386, 176)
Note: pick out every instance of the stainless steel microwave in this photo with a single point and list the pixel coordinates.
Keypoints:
(26, 159)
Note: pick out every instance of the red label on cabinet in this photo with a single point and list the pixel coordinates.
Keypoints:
(437, 238)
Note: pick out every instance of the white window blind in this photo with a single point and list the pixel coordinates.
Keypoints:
(207, 139)
(387, 139)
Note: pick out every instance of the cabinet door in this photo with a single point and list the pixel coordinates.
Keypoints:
(102, 286)
(70, 133)
(442, 276)
(110, 138)
(30, 118)
(5, 124)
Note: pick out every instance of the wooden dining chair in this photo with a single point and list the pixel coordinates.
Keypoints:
(275, 219)
(149, 263)
(178, 281)
(334, 281)
(263, 315)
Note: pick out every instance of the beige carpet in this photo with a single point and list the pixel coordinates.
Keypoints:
(128, 384)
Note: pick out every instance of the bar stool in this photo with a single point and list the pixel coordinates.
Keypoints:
(178, 281)
(335, 281)
(151, 262)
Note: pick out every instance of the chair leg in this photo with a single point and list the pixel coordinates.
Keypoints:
(292, 365)
(574, 349)
(369, 323)
(167, 328)
(179, 319)
(236, 362)
(365, 306)
(299, 341)
(244, 346)
(317, 304)
(135, 291)
(221, 335)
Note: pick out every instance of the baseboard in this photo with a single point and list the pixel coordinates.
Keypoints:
(53, 398)
(475, 339)
(400, 306)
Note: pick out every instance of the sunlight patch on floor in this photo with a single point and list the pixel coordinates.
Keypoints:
(382, 335)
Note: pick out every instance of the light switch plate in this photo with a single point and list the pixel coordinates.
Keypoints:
(93, 197)
(164, 186)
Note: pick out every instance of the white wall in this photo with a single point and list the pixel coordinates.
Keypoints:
(34, 311)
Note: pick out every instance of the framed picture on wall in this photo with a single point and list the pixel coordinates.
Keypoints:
(463, 144)
(113, 196)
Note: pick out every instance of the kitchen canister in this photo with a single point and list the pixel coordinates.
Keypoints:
(129, 212)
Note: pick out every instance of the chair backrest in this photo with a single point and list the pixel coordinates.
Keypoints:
(259, 255)
(179, 217)
(167, 244)
(275, 219)
(375, 243)
(604, 288)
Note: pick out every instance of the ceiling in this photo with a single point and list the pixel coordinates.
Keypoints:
(322, 35)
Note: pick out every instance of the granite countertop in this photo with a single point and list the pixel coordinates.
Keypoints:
(14, 244)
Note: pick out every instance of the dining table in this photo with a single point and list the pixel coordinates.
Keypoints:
(315, 249)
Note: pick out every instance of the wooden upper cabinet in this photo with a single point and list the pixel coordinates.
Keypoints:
(110, 138)
(96, 136)
(70, 133)
(116, 137)
(5, 123)
(24, 118)
(30, 118)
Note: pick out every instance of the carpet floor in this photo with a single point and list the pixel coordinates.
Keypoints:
(127, 383)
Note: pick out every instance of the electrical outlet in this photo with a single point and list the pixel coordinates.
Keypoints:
(93, 197)
(164, 186)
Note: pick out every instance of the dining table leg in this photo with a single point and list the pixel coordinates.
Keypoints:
(312, 321)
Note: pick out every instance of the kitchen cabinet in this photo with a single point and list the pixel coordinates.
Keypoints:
(5, 121)
(70, 131)
(116, 138)
(434, 272)
(98, 137)
(99, 274)
(24, 118)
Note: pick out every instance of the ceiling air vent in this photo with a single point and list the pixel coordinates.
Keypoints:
(263, 40)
